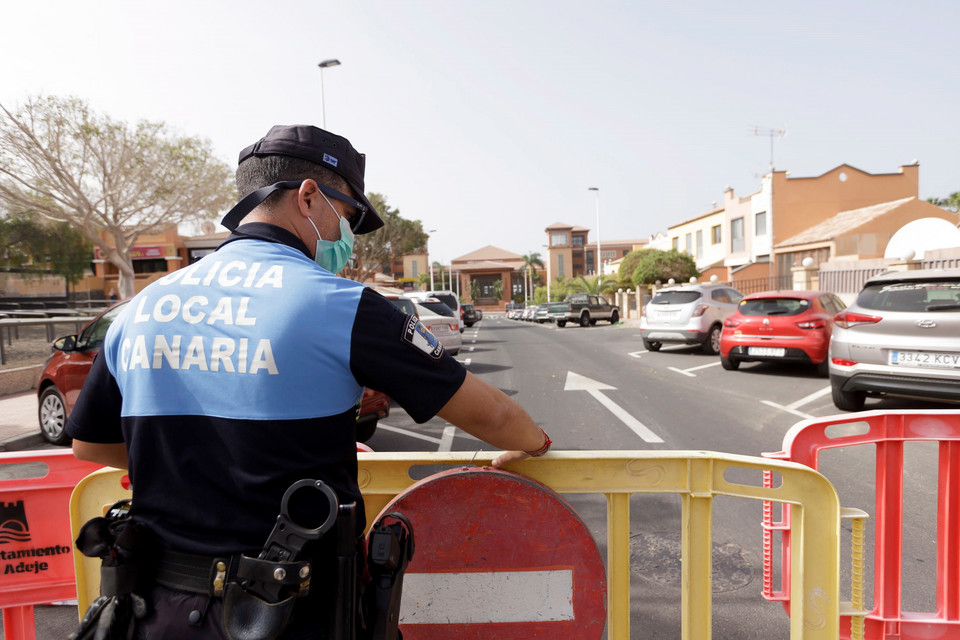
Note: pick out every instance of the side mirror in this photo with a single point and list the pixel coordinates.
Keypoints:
(66, 343)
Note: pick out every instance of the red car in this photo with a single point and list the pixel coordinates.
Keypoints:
(62, 378)
(780, 326)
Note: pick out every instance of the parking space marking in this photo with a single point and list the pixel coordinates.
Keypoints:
(407, 432)
(637, 354)
(466, 362)
(787, 409)
(793, 406)
(686, 372)
(446, 440)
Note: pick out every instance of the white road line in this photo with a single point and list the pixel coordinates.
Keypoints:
(470, 348)
(412, 434)
(789, 409)
(809, 398)
(576, 382)
(466, 362)
(636, 354)
(446, 440)
(686, 372)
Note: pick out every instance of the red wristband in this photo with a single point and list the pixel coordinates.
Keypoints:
(542, 450)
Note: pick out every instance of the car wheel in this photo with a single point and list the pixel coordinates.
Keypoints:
(847, 400)
(561, 323)
(651, 346)
(711, 346)
(585, 320)
(823, 368)
(730, 364)
(53, 417)
(614, 318)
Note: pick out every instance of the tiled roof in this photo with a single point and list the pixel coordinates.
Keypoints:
(843, 223)
(489, 252)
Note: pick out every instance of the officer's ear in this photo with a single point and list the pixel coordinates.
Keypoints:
(307, 196)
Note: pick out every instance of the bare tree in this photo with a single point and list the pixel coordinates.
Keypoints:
(63, 161)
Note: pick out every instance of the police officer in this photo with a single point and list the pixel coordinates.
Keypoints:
(224, 382)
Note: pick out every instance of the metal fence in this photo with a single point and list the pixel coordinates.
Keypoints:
(755, 285)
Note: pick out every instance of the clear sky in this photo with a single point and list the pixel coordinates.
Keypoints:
(488, 121)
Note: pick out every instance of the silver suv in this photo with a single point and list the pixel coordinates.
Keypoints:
(901, 337)
(689, 314)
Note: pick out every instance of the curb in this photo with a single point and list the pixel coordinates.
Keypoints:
(22, 443)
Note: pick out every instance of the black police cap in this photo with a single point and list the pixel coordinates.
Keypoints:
(325, 149)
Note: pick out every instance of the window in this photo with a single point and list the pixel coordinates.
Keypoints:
(688, 243)
(413, 269)
(560, 266)
(588, 260)
(578, 241)
(699, 242)
(676, 243)
(558, 238)
(150, 266)
(736, 235)
(715, 236)
(760, 224)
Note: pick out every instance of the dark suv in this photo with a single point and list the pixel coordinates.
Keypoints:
(471, 315)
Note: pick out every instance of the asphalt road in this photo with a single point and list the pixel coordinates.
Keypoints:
(677, 398)
(684, 398)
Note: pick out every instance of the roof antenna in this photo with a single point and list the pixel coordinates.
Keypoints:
(768, 131)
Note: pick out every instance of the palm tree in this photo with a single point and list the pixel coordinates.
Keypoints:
(530, 263)
(595, 285)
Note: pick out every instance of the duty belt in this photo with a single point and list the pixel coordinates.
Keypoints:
(210, 574)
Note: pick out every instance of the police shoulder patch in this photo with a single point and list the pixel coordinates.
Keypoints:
(418, 337)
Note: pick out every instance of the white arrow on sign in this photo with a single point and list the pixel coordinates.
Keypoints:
(576, 382)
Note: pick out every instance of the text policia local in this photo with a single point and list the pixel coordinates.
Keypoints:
(205, 351)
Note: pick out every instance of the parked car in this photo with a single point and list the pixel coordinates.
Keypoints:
(440, 320)
(449, 298)
(528, 312)
(688, 314)
(471, 315)
(780, 326)
(405, 304)
(557, 312)
(901, 337)
(585, 309)
(541, 314)
(65, 371)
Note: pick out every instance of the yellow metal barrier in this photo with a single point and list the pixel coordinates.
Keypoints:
(697, 476)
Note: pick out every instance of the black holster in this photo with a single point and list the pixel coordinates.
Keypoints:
(122, 546)
(391, 549)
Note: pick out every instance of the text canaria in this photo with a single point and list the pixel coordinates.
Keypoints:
(218, 354)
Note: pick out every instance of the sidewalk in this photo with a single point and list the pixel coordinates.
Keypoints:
(19, 428)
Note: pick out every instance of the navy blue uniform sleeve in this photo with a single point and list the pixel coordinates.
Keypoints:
(96, 415)
(391, 352)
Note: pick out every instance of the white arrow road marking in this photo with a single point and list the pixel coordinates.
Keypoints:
(576, 382)
(636, 354)
(487, 597)
(686, 372)
(793, 406)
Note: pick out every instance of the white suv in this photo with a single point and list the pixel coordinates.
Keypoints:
(688, 314)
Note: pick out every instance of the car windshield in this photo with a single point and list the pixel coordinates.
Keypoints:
(773, 306)
(447, 299)
(937, 295)
(675, 297)
(404, 304)
(92, 337)
(438, 308)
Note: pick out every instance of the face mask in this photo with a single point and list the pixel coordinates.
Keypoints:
(333, 256)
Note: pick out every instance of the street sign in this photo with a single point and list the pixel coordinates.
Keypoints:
(498, 555)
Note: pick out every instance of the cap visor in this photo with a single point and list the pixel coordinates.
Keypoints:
(371, 221)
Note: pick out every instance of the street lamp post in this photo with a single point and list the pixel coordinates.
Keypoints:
(597, 261)
(323, 109)
(429, 264)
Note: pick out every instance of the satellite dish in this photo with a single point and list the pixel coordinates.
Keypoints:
(207, 227)
(920, 236)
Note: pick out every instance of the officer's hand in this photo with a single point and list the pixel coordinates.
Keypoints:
(509, 456)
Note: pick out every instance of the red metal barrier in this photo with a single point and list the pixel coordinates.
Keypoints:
(36, 549)
(888, 431)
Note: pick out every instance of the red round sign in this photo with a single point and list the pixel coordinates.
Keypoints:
(498, 555)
